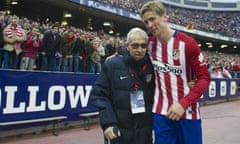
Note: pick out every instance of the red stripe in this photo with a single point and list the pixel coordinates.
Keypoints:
(144, 67)
(194, 111)
(180, 88)
(158, 85)
(166, 75)
(160, 97)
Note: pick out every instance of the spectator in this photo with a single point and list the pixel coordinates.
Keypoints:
(30, 50)
(110, 47)
(220, 72)
(66, 51)
(101, 51)
(226, 73)
(235, 69)
(2, 24)
(13, 35)
(78, 53)
(96, 65)
(88, 49)
(49, 51)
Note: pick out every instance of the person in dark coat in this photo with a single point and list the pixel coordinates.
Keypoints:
(123, 93)
(78, 53)
(1, 38)
(50, 49)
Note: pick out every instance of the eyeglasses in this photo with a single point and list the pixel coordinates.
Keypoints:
(136, 45)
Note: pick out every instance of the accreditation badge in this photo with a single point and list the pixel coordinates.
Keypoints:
(137, 102)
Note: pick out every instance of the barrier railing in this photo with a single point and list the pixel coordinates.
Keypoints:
(221, 89)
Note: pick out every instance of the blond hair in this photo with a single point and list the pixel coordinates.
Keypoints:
(153, 6)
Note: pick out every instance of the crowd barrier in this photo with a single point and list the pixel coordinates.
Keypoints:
(29, 95)
(221, 89)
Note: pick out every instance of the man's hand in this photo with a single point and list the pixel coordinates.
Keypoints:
(43, 53)
(111, 134)
(191, 83)
(175, 111)
(111, 56)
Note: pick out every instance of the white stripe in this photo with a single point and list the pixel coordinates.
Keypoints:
(198, 111)
(173, 78)
(189, 113)
(164, 94)
(156, 97)
(183, 63)
(184, 75)
(162, 81)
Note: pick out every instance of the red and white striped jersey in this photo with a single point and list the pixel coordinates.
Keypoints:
(175, 64)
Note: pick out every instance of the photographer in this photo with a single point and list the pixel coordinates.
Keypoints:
(30, 50)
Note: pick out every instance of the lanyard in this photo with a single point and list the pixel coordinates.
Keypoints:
(135, 83)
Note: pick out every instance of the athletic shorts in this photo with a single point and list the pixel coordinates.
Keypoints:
(183, 131)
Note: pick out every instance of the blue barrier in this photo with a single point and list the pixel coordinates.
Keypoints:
(221, 89)
(28, 95)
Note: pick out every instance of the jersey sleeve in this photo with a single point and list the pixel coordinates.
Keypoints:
(199, 71)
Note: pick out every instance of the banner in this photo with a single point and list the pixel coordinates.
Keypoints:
(220, 89)
(27, 95)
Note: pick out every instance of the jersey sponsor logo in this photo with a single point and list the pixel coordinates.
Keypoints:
(163, 67)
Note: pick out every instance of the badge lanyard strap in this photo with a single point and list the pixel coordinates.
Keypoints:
(135, 83)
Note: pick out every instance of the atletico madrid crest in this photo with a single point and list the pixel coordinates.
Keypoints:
(175, 54)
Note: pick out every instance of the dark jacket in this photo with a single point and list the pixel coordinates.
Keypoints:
(1, 37)
(51, 43)
(66, 46)
(111, 94)
(79, 47)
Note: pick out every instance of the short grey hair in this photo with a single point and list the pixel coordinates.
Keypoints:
(136, 30)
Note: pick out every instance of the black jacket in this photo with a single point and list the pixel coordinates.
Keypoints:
(79, 47)
(111, 94)
(1, 37)
(51, 43)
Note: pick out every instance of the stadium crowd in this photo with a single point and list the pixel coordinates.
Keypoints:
(48, 46)
(222, 22)
(222, 65)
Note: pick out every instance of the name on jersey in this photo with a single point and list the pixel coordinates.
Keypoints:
(163, 67)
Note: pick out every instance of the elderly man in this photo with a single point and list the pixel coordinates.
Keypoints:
(123, 93)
